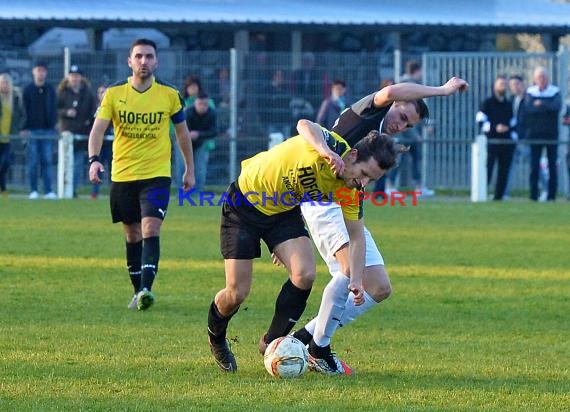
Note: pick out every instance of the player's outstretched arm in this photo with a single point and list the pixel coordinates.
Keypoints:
(313, 134)
(96, 137)
(414, 91)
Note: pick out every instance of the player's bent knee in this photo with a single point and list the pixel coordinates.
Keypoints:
(303, 280)
(379, 294)
(377, 283)
(380, 290)
(235, 297)
(383, 292)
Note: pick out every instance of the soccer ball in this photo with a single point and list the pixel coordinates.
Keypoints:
(286, 357)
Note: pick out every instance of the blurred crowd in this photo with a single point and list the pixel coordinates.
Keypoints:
(513, 114)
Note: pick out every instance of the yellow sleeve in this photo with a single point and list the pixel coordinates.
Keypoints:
(177, 103)
(105, 111)
(349, 203)
(351, 212)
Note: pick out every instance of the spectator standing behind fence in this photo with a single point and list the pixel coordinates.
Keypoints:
(192, 88)
(332, 106)
(566, 122)
(540, 109)
(12, 117)
(106, 154)
(413, 138)
(516, 86)
(258, 74)
(308, 82)
(517, 89)
(201, 121)
(222, 96)
(75, 109)
(222, 87)
(275, 106)
(495, 118)
(40, 104)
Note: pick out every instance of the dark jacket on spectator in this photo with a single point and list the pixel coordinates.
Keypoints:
(205, 124)
(38, 115)
(497, 112)
(329, 111)
(541, 122)
(84, 102)
(517, 122)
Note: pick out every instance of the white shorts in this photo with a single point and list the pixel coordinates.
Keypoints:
(329, 233)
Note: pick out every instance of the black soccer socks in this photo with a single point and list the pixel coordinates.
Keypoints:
(150, 257)
(134, 259)
(289, 307)
(218, 324)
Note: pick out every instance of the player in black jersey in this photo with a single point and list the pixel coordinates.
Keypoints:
(391, 110)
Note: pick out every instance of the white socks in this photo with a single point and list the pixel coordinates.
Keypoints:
(332, 307)
(337, 310)
(352, 311)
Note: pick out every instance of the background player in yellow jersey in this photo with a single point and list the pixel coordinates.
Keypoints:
(274, 182)
(141, 109)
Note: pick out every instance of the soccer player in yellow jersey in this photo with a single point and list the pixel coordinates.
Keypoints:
(141, 109)
(263, 204)
(391, 110)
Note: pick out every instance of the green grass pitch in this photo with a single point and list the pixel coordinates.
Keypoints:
(478, 319)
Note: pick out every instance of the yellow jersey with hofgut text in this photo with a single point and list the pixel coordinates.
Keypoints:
(276, 180)
(141, 123)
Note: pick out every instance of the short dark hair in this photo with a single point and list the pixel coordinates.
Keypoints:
(516, 77)
(421, 108)
(339, 82)
(381, 147)
(202, 96)
(143, 42)
(412, 66)
(40, 63)
(386, 82)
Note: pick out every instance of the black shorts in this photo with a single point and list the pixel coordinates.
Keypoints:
(243, 227)
(131, 201)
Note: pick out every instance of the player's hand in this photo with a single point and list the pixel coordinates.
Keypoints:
(194, 134)
(94, 170)
(455, 84)
(188, 181)
(358, 291)
(276, 261)
(335, 162)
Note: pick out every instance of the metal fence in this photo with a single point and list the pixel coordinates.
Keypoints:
(258, 94)
(447, 157)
